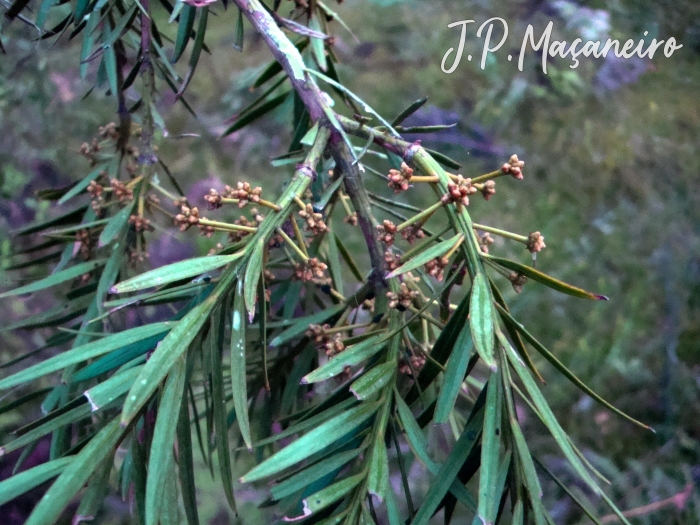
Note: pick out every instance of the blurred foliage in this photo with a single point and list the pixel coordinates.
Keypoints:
(613, 178)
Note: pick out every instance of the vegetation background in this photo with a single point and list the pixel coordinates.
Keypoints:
(612, 181)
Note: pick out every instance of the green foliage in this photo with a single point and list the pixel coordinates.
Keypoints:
(232, 357)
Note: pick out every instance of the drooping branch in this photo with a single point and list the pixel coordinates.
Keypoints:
(319, 110)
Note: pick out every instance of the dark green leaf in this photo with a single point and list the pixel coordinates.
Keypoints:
(454, 376)
(162, 457)
(302, 324)
(256, 113)
(489, 491)
(536, 275)
(25, 481)
(56, 278)
(312, 442)
(115, 225)
(85, 352)
(325, 497)
(239, 35)
(481, 320)
(184, 30)
(410, 110)
(351, 356)
(373, 380)
(74, 476)
(174, 272)
(253, 274)
(429, 254)
(238, 365)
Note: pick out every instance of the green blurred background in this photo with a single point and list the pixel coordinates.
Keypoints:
(612, 179)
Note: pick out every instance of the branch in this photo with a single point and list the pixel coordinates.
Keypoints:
(314, 100)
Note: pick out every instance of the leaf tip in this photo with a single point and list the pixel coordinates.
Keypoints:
(599, 297)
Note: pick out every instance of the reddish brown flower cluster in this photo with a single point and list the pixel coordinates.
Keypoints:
(95, 191)
(484, 241)
(518, 280)
(314, 221)
(121, 191)
(417, 362)
(403, 299)
(436, 267)
(307, 271)
(82, 237)
(186, 218)
(399, 180)
(244, 192)
(140, 224)
(514, 166)
(109, 131)
(535, 242)
(488, 189)
(392, 260)
(412, 233)
(213, 199)
(387, 232)
(330, 344)
(90, 151)
(351, 219)
(459, 191)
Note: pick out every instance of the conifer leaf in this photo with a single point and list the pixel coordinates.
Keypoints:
(174, 272)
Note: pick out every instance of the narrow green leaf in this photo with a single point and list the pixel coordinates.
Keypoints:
(373, 380)
(449, 470)
(124, 22)
(174, 272)
(44, 12)
(275, 67)
(253, 274)
(163, 359)
(238, 365)
(162, 457)
(194, 56)
(378, 477)
(325, 497)
(256, 113)
(116, 386)
(305, 477)
(238, 35)
(551, 282)
(564, 370)
(489, 491)
(351, 356)
(429, 254)
(116, 224)
(312, 442)
(74, 476)
(56, 278)
(70, 217)
(481, 320)
(410, 110)
(18, 484)
(454, 375)
(94, 496)
(347, 257)
(549, 419)
(318, 45)
(310, 137)
(184, 31)
(80, 186)
(424, 129)
(443, 159)
(301, 325)
(109, 60)
(85, 352)
(186, 463)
